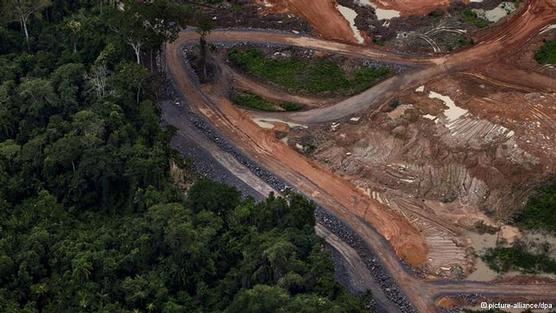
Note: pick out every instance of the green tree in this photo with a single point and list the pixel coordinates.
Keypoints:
(260, 299)
(215, 197)
(539, 213)
(90, 220)
(205, 26)
(9, 151)
(132, 77)
(68, 81)
(8, 112)
(37, 99)
(22, 10)
(546, 54)
(147, 24)
(75, 27)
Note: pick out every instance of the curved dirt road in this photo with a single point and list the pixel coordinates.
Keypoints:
(357, 274)
(243, 82)
(354, 208)
(501, 41)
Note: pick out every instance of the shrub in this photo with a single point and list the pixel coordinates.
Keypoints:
(252, 101)
(547, 53)
(540, 211)
(517, 257)
(471, 17)
(304, 75)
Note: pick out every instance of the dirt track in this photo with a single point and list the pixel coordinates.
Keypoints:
(308, 177)
(501, 41)
(280, 38)
(357, 269)
(338, 195)
(493, 46)
(248, 84)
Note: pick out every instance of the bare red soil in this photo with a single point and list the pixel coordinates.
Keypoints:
(321, 14)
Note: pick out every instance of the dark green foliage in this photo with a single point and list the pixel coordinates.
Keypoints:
(470, 17)
(9, 40)
(459, 41)
(204, 26)
(252, 101)
(540, 211)
(214, 197)
(222, 255)
(547, 53)
(365, 77)
(145, 26)
(303, 75)
(379, 41)
(519, 258)
(256, 102)
(89, 219)
(290, 106)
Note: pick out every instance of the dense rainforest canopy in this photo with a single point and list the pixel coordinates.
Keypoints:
(89, 218)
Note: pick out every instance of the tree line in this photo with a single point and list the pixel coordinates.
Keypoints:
(90, 220)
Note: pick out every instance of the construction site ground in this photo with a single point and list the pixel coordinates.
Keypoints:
(412, 166)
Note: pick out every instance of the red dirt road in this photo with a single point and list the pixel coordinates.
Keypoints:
(503, 40)
(312, 179)
(322, 15)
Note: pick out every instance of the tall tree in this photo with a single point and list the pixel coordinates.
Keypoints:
(74, 26)
(204, 28)
(147, 24)
(97, 81)
(22, 10)
(132, 77)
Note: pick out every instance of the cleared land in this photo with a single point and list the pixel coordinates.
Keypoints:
(321, 14)
(409, 230)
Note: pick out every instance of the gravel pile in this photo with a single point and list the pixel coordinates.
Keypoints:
(377, 270)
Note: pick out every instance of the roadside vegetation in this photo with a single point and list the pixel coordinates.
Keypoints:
(529, 257)
(520, 257)
(547, 53)
(459, 41)
(314, 76)
(90, 219)
(540, 211)
(471, 17)
(253, 101)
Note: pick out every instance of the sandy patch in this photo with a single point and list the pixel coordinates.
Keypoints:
(350, 15)
(453, 112)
